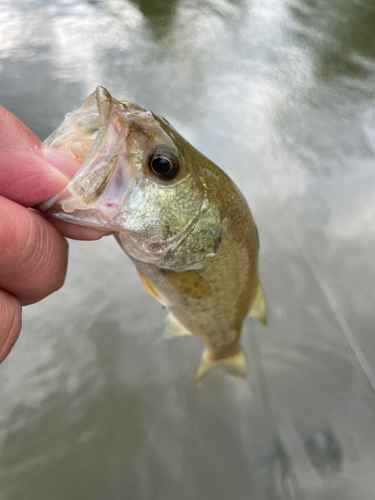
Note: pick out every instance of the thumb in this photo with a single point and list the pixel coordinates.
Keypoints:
(30, 171)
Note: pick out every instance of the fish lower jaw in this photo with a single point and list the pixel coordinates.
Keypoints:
(67, 203)
(106, 212)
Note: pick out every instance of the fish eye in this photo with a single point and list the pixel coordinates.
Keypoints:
(164, 165)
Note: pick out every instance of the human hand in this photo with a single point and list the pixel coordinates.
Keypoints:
(33, 250)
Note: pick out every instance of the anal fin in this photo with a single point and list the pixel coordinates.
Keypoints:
(258, 308)
(233, 365)
(174, 328)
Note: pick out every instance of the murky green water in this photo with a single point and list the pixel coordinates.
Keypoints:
(93, 402)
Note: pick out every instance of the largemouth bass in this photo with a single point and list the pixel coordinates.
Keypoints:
(182, 221)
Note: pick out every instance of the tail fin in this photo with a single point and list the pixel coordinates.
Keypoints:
(258, 308)
(234, 365)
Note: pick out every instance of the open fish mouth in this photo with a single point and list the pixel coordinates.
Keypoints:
(94, 134)
(173, 223)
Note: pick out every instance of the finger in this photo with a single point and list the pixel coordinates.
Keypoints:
(31, 172)
(74, 231)
(33, 254)
(10, 326)
(27, 174)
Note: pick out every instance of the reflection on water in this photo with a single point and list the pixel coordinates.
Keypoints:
(160, 15)
(324, 452)
(341, 34)
(94, 403)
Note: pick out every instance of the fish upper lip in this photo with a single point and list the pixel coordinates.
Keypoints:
(92, 178)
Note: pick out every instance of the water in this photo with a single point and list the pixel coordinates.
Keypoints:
(94, 403)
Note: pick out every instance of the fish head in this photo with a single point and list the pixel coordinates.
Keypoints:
(140, 179)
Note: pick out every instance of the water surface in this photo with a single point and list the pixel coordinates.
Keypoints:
(280, 94)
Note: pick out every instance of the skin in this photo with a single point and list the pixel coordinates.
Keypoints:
(33, 250)
(192, 236)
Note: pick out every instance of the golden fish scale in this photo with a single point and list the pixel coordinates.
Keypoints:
(216, 314)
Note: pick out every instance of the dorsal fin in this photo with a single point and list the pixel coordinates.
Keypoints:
(258, 308)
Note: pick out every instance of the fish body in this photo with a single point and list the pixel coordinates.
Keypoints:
(182, 221)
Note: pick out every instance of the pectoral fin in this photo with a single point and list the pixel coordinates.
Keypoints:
(234, 365)
(189, 283)
(174, 328)
(258, 308)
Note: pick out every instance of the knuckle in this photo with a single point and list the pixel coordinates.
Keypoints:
(51, 259)
(33, 254)
(43, 259)
(4, 117)
(10, 313)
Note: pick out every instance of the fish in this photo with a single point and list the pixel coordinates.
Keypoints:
(181, 220)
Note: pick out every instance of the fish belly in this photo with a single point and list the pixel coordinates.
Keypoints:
(211, 302)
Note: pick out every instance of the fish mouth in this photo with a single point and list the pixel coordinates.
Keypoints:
(112, 192)
(96, 134)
